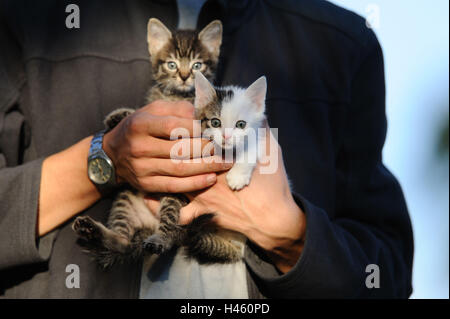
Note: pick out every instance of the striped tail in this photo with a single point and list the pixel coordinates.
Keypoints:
(205, 245)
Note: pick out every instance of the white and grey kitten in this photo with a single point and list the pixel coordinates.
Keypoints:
(231, 117)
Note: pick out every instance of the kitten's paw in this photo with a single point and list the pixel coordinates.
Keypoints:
(86, 228)
(114, 118)
(237, 180)
(155, 244)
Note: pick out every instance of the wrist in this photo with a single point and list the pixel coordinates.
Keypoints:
(285, 250)
(101, 168)
(110, 150)
(107, 146)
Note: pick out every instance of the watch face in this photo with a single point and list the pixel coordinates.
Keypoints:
(99, 171)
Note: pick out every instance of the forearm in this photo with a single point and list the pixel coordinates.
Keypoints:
(65, 188)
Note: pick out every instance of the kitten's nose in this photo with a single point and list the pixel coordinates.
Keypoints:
(184, 77)
(226, 136)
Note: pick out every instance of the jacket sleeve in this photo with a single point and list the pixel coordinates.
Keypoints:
(372, 224)
(19, 182)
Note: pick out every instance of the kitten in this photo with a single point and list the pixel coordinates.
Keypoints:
(230, 115)
(131, 228)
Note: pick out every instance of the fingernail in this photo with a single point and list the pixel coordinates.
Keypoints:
(211, 179)
(227, 165)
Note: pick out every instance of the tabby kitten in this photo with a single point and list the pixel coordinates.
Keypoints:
(131, 228)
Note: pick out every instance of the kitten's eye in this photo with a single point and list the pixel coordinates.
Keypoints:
(241, 124)
(215, 122)
(171, 65)
(196, 66)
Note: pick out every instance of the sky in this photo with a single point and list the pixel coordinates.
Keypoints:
(414, 35)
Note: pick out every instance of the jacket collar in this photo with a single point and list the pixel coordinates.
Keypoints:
(235, 12)
(232, 13)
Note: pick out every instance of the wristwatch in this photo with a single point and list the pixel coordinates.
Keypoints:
(100, 167)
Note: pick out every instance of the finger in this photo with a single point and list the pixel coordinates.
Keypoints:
(148, 146)
(189, 212)
(165, 108)
(152, 204)
(173, 127)
(189, 148)
(147, 167)
(170, 167)
(168, 184)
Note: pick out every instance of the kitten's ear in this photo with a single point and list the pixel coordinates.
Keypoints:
(204, 91)
(257, 93)
(211, 37)
(157, 35)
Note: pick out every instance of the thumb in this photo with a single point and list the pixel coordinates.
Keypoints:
(189, 212)
(152, 204)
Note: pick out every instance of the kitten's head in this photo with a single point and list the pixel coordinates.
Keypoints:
(228, 114)
(176, 56)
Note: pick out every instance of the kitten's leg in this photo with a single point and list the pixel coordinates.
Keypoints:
(113, 118)
(240, 175)
(96, 233)
(129, 215)
(104, 245)
(169, 232)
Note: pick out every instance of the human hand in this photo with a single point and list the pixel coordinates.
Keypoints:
(264, 211)
(140, 148)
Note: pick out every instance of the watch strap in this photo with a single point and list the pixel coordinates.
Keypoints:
(95, 151)
(97, 144)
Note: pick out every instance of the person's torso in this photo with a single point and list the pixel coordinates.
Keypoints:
(74, 77)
